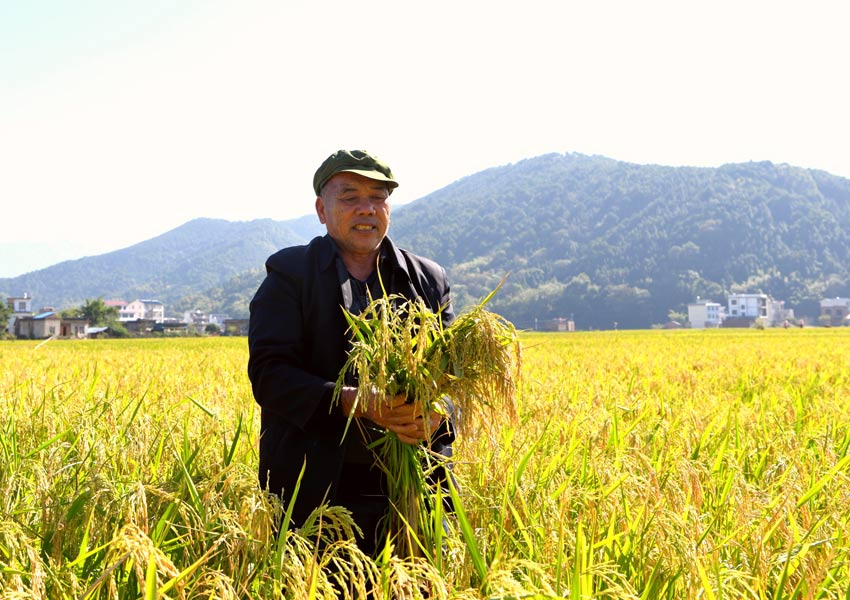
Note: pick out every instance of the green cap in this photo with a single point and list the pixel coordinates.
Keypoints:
(353, 161)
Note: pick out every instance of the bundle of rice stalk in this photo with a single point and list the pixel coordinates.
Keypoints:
(401, 347)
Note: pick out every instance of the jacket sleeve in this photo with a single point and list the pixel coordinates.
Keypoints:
(279, 378)
(447, 313)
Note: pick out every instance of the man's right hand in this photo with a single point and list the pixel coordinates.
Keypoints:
(393, 413)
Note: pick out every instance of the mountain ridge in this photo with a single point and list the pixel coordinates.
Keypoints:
(584, 236)
(199, 253)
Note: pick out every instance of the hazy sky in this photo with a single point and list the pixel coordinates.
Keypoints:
(121, 120)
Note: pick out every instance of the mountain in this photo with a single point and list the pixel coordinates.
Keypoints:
(600, 240)
(608, 241)
(176, 267)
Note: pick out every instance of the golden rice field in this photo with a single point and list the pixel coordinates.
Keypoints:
(654, 464)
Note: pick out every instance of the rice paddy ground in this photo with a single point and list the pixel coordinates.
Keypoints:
(646, 464)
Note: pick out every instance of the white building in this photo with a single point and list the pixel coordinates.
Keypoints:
(751, 306)
(117, 305)
(704, 314)
(198, 319)
(779, 314)
(218, 319)
(153, 310)
(21, 307)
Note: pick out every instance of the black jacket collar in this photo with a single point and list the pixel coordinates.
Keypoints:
(328, 252)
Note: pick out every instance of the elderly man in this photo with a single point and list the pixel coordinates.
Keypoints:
(298, 344)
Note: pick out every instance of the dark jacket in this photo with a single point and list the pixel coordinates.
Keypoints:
(298, 344)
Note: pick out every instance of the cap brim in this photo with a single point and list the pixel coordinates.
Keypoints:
(376, 175)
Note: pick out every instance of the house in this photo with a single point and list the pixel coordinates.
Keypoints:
(236, 327)
(21, 307)
(38, 327)
(139, 326)
(199, 319)
(171, 327)
(49, 324)
(558, 324)
(779, 314)
(704, 314)
(218, 319)
(76, 327)
(744, 309)
(116, 304)
(153, 310)
(835, 311)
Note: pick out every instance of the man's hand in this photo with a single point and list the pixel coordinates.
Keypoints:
(394, 414)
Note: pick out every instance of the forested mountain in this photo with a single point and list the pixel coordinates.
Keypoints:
(609, 241)
(600, 240)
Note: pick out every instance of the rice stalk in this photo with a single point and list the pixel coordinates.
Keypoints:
(135, 551)
(469, 368)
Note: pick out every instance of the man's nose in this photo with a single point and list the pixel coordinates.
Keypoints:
(365, 206)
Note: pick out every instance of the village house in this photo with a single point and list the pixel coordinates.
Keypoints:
(218, 319)
(746, 309)
(21, 307)
(779, 314)
(116, 304)
(171, 326)
(705, 314)
(558, 324)
(198, 320)
(835, 312)
(37, 327)
(76, 327)
(742, 310)
(49, 324)
(152, 310)
(23, 323)
(749, 306)
(139, 326)
(236, 327)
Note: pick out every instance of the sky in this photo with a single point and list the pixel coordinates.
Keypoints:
(122, 120)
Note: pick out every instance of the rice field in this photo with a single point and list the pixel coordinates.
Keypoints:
(652, 464)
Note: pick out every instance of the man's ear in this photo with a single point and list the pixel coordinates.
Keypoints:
(320, 209)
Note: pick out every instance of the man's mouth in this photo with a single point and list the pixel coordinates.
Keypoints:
(364, 227)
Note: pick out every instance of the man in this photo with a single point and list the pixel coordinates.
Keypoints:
(298, 343)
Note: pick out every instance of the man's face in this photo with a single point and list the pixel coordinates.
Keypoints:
(356, 212)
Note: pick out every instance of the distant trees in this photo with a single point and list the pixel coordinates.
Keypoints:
(678, 317)
(98, 314)
(95, 311)
(5, 314)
